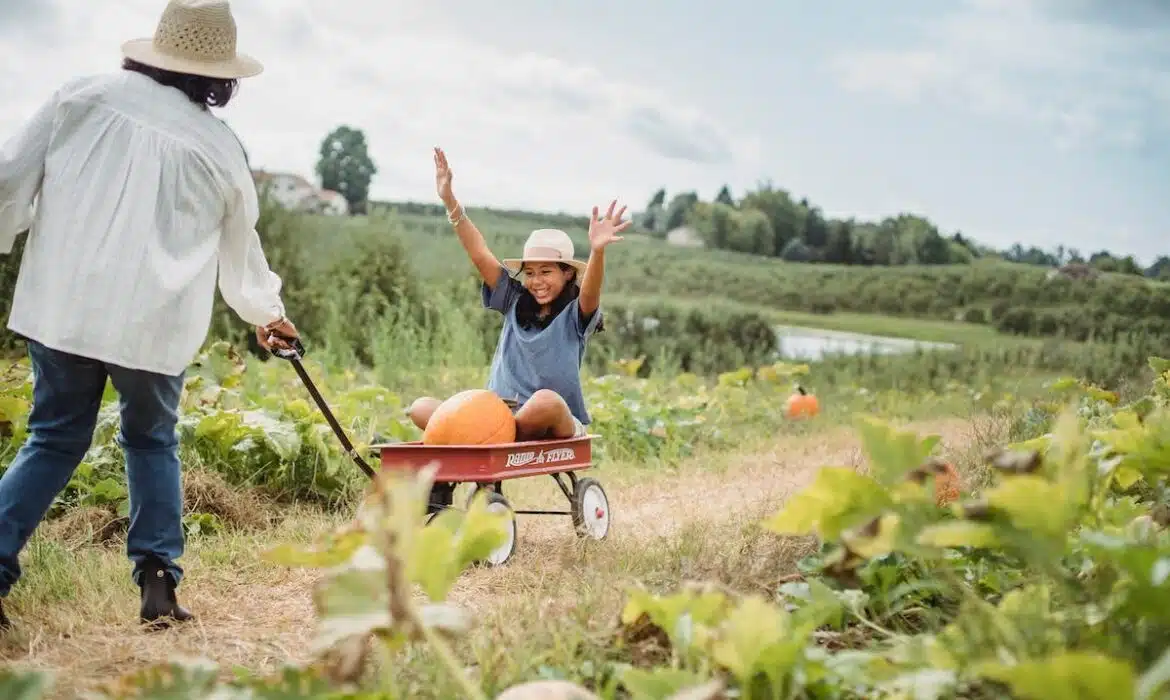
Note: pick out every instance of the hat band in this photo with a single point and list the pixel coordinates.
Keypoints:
(543, 252)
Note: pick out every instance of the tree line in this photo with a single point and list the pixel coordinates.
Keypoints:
(767, 221)
(770, 221)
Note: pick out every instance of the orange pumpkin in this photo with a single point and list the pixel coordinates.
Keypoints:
(472, 417)
(946, 484)
(802, 405)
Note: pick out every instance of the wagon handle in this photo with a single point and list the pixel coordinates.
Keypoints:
(294, 355)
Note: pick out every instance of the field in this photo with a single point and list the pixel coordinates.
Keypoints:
(751, 555)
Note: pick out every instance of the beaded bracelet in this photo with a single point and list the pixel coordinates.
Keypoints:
(462, 215)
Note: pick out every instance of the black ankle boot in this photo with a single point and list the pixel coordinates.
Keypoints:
(159, 606)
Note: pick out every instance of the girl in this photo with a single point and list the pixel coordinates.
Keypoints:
(548, 318)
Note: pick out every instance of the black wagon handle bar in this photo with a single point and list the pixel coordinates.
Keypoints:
(293, 355)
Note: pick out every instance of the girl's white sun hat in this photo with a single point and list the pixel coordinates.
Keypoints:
(546, 245)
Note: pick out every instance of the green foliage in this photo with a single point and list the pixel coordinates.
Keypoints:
(233, 423)
(365, 595)
(702, 340)
(18, 685)
(253, 424)
(1047, 582)
(679, 209)
(9, 269)
(800, 228)
(1015, 299)
(1123, 311)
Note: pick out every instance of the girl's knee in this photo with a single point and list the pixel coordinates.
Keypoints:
(545, 414)
(547, 400)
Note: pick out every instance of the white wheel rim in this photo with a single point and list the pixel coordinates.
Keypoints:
(504, 551)
(594, 512)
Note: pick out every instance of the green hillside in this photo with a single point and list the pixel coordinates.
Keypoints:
(1012, 298)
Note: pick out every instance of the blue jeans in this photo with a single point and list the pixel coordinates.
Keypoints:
(67, 393)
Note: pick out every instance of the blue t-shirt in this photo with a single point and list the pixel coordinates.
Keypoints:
(528, 360)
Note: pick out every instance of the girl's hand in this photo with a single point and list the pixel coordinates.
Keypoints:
(443, 177)
(604, 232)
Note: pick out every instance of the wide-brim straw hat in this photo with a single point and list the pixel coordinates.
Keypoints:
(196, 37)
(546, 245)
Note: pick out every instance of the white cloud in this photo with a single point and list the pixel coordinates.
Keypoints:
(1061, 66)
(20, 16)
(520, 129)
(906, 75)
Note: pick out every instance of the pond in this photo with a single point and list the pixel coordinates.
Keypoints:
(813, 344)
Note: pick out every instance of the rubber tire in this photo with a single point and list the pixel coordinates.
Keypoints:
(496, 501)
(578, 508)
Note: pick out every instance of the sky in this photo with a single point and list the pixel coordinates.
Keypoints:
(1043, 122)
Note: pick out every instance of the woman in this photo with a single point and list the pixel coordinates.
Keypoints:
(548, 317)
(144, 202)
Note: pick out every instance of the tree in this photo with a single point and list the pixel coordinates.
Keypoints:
(345, 166)
(724, 227)
(715, 223)
(724, 197)
(754, 234)
(679, 208)
(918, 241)
(657, 200)
(1160, 270)
(784, 214)
(816, 229)
(1108, 262)
(797, 251)
(839, 248)
(654, 217)
(959, 253)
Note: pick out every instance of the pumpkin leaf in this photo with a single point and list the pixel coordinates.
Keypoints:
(839, 498)
(1082, 675)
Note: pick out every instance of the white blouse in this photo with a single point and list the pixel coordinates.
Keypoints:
(132, 197)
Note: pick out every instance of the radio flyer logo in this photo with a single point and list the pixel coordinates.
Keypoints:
(532, 458)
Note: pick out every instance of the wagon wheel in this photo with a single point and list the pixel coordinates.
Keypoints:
(590, 509)
(496, 503)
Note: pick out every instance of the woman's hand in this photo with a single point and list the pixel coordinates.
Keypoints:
(443, 178)
(275, 336)
(604, 232)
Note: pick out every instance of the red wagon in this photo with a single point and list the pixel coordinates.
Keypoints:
(488, 467)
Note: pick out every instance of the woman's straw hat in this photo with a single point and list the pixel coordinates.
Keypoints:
(196, 37)
(546, 245)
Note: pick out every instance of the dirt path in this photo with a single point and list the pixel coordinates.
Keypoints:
(261, 616)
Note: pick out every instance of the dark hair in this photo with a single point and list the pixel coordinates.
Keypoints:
(528, 310)
(203, 91)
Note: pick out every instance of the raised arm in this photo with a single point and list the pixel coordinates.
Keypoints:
(601, 234)
(469, 236)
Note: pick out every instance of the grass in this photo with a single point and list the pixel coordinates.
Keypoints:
(894, 326)
(868, 324)
(552, 607)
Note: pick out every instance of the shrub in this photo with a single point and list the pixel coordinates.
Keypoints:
(671, 335)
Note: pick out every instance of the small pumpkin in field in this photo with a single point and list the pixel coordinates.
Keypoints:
(802, 405)
(946, 484)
